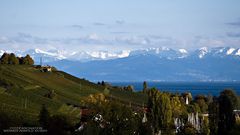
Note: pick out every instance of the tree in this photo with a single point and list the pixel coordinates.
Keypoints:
(178, 108)
(145, 87)
(188, 129)
(227, 103)
(165, 111)
(13, 59)
(205, 127)
(129, 88)
(153, 106)
(44, 117)
(4, 58)
(202, 102)
(113, 118)
(27, 60)
(160, 110)
(213, 111)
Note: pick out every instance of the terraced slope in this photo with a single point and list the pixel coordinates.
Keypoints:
(23, 90)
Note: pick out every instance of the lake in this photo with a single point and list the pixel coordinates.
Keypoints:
(205, 88)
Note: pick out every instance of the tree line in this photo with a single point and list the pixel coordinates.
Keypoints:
(165, 107)
(11, 59)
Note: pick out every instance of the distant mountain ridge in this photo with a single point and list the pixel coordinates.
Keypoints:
(153, 64)
(162, 52)
(204, 64)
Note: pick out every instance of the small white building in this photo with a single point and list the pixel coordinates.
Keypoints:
(187, 101)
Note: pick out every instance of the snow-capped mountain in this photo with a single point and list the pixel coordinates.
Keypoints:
(162, 52)
(200, 53)
(205, 52)
(56, 55)
(203, 64)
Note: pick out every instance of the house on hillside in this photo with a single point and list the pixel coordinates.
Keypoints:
(46, 68)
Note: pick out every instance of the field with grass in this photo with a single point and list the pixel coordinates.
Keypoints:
(24, 89)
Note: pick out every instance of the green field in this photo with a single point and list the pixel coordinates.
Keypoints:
(23, 90)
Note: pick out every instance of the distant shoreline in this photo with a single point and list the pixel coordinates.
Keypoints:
(205, 88)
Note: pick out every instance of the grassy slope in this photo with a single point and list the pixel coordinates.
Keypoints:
(29, 85)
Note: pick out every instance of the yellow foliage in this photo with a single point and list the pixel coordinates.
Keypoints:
(95, 98)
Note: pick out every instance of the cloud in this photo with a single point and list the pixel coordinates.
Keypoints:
(236, 23)
(77, 26)
(4, 39)
(232, 34)
(120, 32)
(94, 42)
(211, 42)
(28, 38)
(120, 21)
(99, 24)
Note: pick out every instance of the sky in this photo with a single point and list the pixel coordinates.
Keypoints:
(114, 25)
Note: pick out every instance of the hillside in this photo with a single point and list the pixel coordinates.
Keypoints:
(23, 90)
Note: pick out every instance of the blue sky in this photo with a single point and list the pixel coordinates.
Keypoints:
(118, 25)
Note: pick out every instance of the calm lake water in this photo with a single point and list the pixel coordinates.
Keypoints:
(205, 88)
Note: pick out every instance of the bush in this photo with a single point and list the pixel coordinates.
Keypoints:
(60, 125)
(44, 117)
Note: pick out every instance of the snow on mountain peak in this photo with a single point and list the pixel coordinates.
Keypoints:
(161, 52)
(203, 51)
(101, 55)
(230, 51)
(124, 53)
(54, 53)
(109, 55)
(183, 51)
(238, 52)
(221, 50)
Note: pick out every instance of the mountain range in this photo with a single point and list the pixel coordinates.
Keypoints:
(152, 64)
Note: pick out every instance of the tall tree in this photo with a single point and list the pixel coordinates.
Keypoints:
(13, 59)
(213, 111)
(227, 103)
(145, 86)
(160, 110)
(178, 108)
(153, 106)
(165, 111)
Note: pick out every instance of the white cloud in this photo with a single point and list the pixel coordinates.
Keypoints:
(95, 42)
